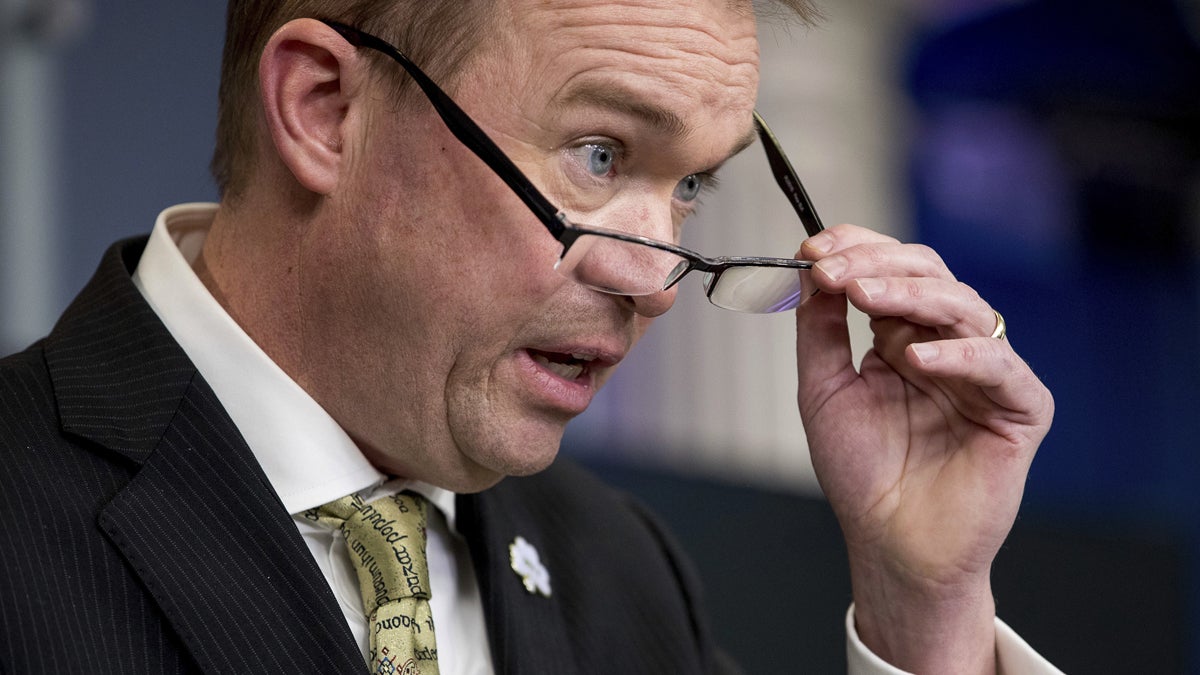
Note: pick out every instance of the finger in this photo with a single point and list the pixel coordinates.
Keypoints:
(995, 369)
(839, 238)
(834, 272)
(891, 340)
(952, 307)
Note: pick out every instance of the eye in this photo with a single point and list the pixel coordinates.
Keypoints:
(689, 189)
(693, 187)
(597, 158)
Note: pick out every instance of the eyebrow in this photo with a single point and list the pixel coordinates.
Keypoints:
(624, 101)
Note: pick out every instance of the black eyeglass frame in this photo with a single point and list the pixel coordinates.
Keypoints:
(477, 141)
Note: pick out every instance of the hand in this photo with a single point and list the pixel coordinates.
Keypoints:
(923, 451)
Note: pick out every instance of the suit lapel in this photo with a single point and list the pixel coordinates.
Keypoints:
(117, 373)
(223, 559)
(527, 633)
(199, 524)
(624, 600)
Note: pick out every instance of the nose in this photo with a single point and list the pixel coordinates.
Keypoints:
(654, 304)
(626, 265)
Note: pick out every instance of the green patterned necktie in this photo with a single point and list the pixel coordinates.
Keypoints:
(386, 541)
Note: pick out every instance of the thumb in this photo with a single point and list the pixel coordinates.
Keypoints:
(823, 352)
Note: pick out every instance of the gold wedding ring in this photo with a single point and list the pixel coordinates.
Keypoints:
(1001, 327)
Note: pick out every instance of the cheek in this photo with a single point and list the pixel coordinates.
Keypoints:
(640, 325)
(505, 255)
(473, 252)
(453, 254)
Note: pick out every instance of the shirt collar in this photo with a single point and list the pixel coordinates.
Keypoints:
(307, 457)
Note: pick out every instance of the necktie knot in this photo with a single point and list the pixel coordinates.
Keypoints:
(386, 541)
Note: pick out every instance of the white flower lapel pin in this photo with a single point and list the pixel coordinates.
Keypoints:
(528, 565)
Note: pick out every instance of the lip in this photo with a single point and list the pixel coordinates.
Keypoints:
(551, 390)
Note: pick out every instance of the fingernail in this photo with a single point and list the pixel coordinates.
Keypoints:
(821, 243)
(871, 287)
(926, 353)
(833, 267)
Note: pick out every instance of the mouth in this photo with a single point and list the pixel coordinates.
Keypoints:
(572, 367)
(564, 377)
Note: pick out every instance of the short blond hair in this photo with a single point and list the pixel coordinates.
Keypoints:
(435, 33)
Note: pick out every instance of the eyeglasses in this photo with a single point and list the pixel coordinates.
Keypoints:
(621, 263)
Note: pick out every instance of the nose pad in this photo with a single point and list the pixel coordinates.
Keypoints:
(656, 304)
(680, 270)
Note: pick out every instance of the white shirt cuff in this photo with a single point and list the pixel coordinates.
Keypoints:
(1013, 655)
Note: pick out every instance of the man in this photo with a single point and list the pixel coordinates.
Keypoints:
(373, 310)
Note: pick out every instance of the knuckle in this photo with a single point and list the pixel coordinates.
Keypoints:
(934, 264)
(926, 251)
(875, 254)
(968, 352)
(970, 293)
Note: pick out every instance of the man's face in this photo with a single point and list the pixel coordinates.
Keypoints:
(439, 335)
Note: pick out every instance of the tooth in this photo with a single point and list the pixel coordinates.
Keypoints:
(583, 357)
(567, 371)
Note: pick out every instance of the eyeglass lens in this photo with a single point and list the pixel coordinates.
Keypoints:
(759, 290)
(628, 268)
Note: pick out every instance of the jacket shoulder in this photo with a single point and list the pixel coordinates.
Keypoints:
(28, 413)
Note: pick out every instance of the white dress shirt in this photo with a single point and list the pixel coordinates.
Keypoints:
(310, 460)
(307, 457)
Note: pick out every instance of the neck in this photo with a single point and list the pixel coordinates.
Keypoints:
(250, 264)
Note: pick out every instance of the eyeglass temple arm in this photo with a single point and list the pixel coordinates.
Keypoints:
(463, 128)
(786, 177)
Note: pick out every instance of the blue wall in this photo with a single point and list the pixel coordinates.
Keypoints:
(1059, 164)
(139, 92)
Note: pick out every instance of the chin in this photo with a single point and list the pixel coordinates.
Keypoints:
(519, 461)
(488, 441)
(479, 477)
(504, 455)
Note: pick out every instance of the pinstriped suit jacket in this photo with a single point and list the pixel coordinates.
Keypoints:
(139, 535)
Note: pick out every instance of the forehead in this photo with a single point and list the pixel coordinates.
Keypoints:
(678, 64)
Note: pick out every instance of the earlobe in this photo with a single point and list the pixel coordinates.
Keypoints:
(306, 84)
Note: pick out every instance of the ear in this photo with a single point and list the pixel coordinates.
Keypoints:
(308, 78)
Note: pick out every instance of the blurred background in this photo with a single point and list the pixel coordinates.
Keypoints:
(1048, 149)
